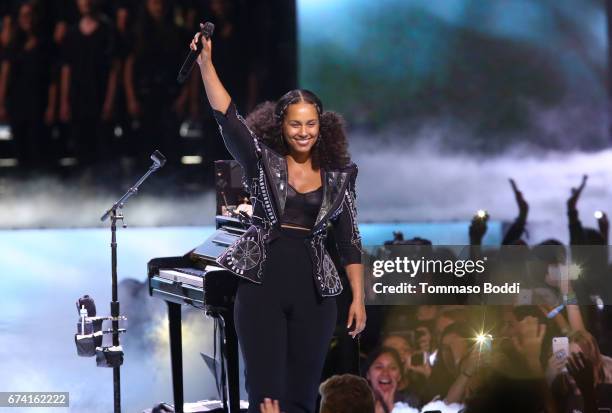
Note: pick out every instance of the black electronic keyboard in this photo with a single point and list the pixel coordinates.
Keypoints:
(195, 279)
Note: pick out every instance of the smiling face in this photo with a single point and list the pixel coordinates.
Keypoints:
(384, 374)
(301, 127)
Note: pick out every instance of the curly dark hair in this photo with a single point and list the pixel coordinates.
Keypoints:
(331, 149)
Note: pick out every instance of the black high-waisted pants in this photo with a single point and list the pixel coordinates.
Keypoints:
(284, 328)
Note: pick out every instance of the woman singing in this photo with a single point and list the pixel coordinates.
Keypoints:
(300, 179)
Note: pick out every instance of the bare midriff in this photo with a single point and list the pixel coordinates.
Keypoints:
(295, 227)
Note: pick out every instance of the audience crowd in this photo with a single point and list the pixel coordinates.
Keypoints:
(506, 358)
(525, 357)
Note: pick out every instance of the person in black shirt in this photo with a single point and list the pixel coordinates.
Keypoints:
(88, 82)
(153, 95)
(24, 83)
(7, 9)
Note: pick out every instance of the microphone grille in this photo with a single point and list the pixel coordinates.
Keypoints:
(208, 30)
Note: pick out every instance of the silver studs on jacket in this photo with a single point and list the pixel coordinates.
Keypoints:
(355, 235)
(265, 196)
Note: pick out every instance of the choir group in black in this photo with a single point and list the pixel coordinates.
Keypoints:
(91, 79)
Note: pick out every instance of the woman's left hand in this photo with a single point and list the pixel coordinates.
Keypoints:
(356, 315)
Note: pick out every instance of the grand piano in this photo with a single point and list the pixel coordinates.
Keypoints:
(196, 280)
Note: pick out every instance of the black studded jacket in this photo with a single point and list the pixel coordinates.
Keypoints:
(266, 180)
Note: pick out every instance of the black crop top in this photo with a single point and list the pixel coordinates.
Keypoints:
(302, 208)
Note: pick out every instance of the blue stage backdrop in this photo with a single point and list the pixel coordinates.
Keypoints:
(498, 71)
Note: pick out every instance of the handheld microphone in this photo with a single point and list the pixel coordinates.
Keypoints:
(207, 30)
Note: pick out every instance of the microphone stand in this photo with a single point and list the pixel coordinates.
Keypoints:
(115, 214)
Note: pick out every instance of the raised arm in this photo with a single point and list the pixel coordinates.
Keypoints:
(517, 228)
(218, 97)
(575, 226)
(239, 140)
(604, 227)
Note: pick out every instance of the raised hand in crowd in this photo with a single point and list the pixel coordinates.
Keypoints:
(581, 369)
(520, 200)
(604, 226)
(517, 228)
(528, 342)
(577, 236)
(478, 227)
(573, 199)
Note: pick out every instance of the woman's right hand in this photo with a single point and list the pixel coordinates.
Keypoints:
(205, 54)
